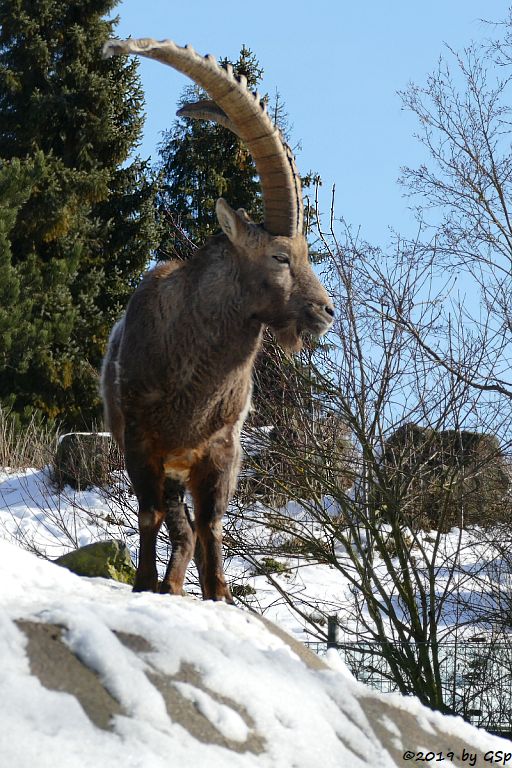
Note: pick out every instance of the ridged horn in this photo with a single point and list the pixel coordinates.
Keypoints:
(204, 109)
(243, 113)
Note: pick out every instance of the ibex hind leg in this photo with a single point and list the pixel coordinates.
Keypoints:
(211, 490)
(182, 536)
(148, 480)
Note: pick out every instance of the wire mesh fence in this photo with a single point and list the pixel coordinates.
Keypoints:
(476, 677)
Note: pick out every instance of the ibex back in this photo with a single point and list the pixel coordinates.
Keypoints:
(177, 376)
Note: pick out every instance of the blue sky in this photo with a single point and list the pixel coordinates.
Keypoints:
(338, 66)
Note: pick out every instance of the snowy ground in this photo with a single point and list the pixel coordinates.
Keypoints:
(35, 516)
(252, 685)
(308, 719)
(48, 728)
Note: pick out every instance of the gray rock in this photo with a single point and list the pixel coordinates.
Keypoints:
(84, 460)
(109, 559)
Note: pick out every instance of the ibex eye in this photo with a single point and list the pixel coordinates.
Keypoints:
(282, 258)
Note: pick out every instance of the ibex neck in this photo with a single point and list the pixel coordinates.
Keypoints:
(204, 306)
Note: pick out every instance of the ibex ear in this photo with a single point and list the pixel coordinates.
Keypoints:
(233, 223)
(245, 216)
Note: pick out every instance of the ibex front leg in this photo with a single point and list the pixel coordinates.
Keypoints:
(148, 479)
(211, 490)
(181, 534)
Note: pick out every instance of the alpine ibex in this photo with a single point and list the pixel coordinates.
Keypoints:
(177, 376)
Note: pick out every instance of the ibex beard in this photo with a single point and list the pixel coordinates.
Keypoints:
(177, 375)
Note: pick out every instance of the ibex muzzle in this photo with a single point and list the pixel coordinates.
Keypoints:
(177, 376)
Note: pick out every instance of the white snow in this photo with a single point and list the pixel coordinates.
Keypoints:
(308, 718)
(297, 710)
(225, 719)
(39, 519)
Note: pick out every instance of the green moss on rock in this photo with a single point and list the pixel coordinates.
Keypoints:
(108, 559)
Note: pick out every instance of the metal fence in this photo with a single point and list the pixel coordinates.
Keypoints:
(476, 677)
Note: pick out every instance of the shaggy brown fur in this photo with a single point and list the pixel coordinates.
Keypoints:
(177, 379)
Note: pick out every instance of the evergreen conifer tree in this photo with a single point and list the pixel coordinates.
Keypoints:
(83, 232)
(16, 182)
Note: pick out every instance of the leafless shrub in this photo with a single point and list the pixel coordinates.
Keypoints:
(24, 445)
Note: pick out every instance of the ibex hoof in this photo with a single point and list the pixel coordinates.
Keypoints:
(168, 589)
(223, 598)
(145, 585)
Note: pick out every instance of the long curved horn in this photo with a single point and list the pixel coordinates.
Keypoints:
(246, 116)
(204, 109)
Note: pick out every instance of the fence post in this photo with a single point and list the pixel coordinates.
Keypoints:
(332, 632)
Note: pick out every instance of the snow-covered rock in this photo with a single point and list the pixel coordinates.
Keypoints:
(92, 674)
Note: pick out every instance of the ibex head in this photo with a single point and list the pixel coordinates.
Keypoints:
(287, 295)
